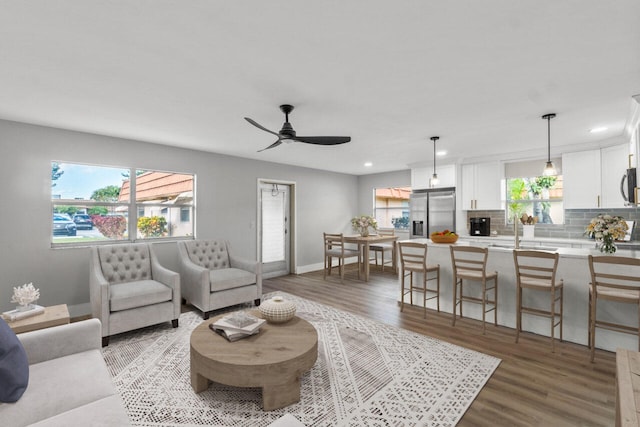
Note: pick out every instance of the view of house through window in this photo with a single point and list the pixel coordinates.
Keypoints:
(95, 204)
(391, 208)
(539, 197)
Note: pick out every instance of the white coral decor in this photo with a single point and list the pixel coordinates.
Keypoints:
(25, 294)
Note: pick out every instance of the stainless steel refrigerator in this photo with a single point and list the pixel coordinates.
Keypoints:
(432, 210)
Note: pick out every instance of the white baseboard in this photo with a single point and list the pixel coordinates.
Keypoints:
(301, 269)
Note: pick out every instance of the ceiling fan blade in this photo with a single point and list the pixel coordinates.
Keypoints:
(323, 140)
(259, 126)
(275, 144)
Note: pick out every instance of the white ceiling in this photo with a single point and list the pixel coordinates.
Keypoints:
(390, 74)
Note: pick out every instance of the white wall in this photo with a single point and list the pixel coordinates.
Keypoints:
(226, 204)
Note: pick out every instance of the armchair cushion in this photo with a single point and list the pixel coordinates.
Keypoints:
(125, 263)
(229, 278)
(14, 367)
(210, 254)
(124, 296)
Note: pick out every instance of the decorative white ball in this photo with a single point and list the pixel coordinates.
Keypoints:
(277, 310)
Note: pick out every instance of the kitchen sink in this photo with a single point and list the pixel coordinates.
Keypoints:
(528, 247)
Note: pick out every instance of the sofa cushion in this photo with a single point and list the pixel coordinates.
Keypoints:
(229, 278)
(123, 296)
(60, 385)
(125, 263)
(210, 254)
(14, 367)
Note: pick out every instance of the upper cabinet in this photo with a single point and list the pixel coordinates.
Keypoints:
(421, 177)
(591, 179)
(480, 189)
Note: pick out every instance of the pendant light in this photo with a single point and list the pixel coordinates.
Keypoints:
(434, 178)
(549, 169)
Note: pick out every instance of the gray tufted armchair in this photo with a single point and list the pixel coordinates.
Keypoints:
(213, 277)
(129, 289)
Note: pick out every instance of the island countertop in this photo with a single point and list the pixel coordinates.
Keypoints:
(573, 268)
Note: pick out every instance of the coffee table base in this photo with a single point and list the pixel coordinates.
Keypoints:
(273, 360)
(274, 396)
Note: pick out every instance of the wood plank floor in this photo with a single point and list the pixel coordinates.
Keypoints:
(531, 387)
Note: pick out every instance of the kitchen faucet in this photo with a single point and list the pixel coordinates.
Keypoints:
(515, 232)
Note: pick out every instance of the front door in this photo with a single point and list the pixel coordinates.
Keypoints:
(275, 228)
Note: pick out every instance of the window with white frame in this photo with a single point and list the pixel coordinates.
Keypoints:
(530, 193)
(391, 207)
(95, 203)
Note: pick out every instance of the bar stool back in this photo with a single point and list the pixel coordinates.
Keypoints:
(536, 270)
(413, 258)
(470, 263)
(608, 284)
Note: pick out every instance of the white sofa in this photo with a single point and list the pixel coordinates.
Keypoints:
(213, 277)
(69, 384)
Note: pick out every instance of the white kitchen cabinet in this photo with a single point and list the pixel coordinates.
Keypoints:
(421, 177)
(591, 179)
(481, 186)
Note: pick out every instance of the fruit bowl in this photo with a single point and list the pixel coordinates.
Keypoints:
(446, 238)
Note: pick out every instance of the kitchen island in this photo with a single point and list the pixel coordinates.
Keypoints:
(573, 268)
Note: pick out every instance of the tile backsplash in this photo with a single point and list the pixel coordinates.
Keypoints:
(575, 222)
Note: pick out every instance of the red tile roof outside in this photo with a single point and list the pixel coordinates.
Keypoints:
(157, 186)
(401, 193)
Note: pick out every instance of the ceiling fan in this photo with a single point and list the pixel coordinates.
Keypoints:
(288, 134)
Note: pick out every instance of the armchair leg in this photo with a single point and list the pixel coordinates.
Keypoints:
(105, 341)
(174, 323)
(205, 315)
(257, 302)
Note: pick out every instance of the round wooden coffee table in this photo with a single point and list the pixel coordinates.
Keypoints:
(273, 359)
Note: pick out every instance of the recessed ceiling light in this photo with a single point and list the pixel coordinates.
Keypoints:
(598, 129)
(441, 153)
(368, 164)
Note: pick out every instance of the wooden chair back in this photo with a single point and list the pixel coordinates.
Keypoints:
(535, 268)
(469, 261)
(413, 256)
(334, 244)
(608, 282)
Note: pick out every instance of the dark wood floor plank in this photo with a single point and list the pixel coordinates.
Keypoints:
(531, 387)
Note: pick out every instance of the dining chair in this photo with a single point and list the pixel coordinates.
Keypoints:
(470, 263)
(334, 248)
(608, 284)
(536, 270)
(384, 247)
(413, 259)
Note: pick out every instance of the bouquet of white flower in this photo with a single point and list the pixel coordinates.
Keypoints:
(606, 229)
(362, 223)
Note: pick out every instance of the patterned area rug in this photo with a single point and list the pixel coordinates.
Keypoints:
(367, 374)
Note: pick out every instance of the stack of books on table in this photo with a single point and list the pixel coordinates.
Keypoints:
(14, 315)
(237, 326)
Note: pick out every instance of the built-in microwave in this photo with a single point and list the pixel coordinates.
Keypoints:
(629, 195)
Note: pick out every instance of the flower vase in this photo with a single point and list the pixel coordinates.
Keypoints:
(364, 232)
(607, 246)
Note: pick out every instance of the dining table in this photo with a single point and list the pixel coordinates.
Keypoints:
(365, 242)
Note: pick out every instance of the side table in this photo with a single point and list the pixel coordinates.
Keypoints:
(52, 316)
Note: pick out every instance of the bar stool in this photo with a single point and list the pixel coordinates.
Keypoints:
(536, 270)
(413, 257)
(383, 247)
(608, 284)
(334, 248)
(470, 263)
